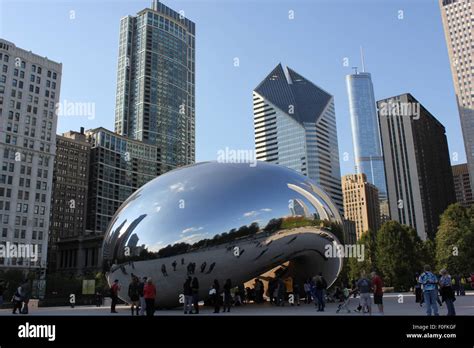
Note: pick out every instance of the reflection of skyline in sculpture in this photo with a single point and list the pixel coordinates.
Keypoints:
(232, 218)
(298, 208)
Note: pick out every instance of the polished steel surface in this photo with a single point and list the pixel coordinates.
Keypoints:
(221, 220)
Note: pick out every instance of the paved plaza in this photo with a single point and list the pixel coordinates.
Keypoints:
(464, 306)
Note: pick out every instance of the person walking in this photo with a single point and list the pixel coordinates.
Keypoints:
(215, 296)
(227, 295)
(114, 290)
(134, 294)
(430, 291)
(149, 293)
(188, 296)
(195, 291)
(364, 287)
(447, 292)
(377, 286)
(26, 291)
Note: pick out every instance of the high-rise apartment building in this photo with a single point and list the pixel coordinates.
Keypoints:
(155, 96)
(462, 185)
(295, 126)
(29, 93)
(457, 16)
(118, 167)
(417, 164)
(361, 203)
(68, 247)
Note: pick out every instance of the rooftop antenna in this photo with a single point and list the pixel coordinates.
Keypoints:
(355, 70)
(362, 58)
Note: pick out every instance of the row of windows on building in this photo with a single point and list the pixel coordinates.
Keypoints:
(34, 68)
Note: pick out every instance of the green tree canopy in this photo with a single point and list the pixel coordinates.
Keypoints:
(396, 254)
(455, 240)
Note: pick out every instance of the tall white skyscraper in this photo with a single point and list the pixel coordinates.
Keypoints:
(458, 24)
(29, 93)
(295, 126)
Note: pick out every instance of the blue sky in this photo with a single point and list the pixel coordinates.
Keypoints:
(403, 55)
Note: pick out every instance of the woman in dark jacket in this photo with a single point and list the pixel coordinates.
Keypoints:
(195, 292)
(227, 295)
(215, 296)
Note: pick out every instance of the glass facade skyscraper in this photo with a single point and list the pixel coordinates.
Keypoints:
(365, 131)
(155, 83)
(295, 126)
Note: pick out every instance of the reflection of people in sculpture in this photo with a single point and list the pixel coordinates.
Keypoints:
(174, 265)
(190, 268)
(203, 266)
(182, 261)
(211, 267)
(163, 270)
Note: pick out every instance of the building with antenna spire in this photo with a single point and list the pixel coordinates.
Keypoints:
(366, 133)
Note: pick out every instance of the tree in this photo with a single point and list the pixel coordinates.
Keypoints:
(455, 240)
(368, 241)
(396, 255)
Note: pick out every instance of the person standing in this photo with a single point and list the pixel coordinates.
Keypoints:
(227, 295)
(377, 286)
(447, 292)
(2, 290)
(364, 287)
(307, 291)
(281, 290)
(321, 286)
(430, 291)
(134, 294)
(195, 291)
(114, 290)
(457, 284)
(188, 296)
(17, 300)
(141, 287)
(215, 296)
(149, 293)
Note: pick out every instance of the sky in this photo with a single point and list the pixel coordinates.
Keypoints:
(403, 43)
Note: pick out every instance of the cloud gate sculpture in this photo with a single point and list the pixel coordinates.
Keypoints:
(222, 220)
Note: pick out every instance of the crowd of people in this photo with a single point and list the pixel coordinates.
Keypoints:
(430, 290)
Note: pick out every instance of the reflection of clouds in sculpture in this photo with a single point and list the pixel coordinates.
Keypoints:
(192, 229)
(191, 238)
(180, 187)
(254, 213)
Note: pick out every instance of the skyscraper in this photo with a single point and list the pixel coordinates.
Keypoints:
(361, 203)
(155, 83)
(417, 166)
(462, 185)
(458, 29)
(29, 94)
(365, 130)
(295, 126)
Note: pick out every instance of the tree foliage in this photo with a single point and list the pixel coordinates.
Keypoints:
(455, 240)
